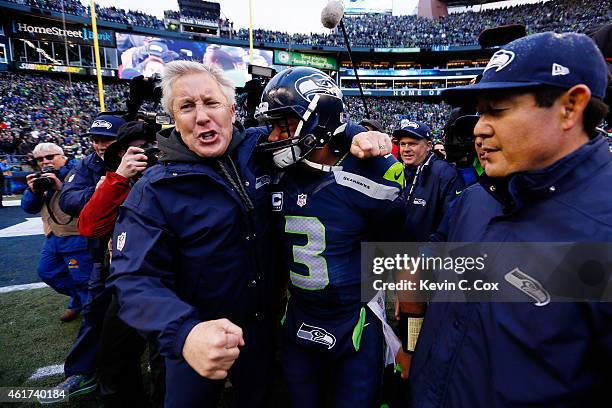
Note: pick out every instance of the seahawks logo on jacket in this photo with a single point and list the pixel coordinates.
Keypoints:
(314, 84)
(317, 335)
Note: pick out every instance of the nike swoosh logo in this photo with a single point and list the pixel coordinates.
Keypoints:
(396, 176)
(366, 324)
(457, 192)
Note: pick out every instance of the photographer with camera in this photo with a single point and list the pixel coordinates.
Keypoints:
(121, 347)
(125, 161)
(80, 364)
(64, 263)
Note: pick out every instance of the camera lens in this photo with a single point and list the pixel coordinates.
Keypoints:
(42, 183)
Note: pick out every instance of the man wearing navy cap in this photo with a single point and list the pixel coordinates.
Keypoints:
(79, 186)
(431, 183)
(548, 177)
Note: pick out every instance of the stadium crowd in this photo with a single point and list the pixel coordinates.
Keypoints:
(114, 14)
(379, 30)
(389, 112)
(36, 109)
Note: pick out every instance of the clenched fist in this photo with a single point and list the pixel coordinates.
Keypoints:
(371, 144)
(211, 348)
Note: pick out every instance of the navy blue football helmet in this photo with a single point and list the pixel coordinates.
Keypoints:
(310, 96)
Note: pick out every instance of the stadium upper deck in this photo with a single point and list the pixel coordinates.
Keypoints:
(398, 55)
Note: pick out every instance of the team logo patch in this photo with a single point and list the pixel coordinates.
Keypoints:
(528, 285)
(73, 263)
(395, 174)
(419, 201)
(121, 241)
(315, 84)
(277, 201)
(101, 124)
(301, 200)
(262, 181)
(317, 335)
(500, 60)
(408, 123)
(559, 70)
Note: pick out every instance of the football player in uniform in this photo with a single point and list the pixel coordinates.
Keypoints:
(327, 203)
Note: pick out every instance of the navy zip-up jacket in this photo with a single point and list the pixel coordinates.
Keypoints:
(80, 184)
(186, 248)
(431, 187)
(519, 354)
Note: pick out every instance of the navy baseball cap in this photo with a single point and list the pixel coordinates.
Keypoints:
(105, 125)
(413, 129)
(545, 59)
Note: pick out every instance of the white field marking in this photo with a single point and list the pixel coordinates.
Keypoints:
(47, 371)
(33, 226)
(11, 203)
(28, 286)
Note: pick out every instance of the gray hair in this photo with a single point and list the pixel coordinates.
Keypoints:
(47, 147)
(176, 69)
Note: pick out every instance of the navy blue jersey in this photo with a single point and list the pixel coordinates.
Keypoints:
(325, 216)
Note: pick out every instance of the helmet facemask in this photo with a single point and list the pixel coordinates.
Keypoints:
(307, 137)
(311, 97)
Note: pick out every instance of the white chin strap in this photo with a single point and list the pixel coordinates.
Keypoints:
(321, 167)
(289, 155)
(286, 157)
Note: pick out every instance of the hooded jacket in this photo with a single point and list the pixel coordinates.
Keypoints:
(188, 246)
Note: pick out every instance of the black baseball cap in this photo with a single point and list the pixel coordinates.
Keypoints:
(373, 123)
(127, 133)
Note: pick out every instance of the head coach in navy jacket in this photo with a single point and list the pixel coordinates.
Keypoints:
(192, 259)
(548, 179)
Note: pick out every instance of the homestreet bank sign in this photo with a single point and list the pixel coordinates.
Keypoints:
(300, 59)
(42, 29)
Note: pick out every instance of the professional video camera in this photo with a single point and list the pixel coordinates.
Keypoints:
(459, 136)
(143, 102)
(250, 95)
(43, 183)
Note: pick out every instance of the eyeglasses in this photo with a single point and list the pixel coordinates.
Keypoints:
(47, 157)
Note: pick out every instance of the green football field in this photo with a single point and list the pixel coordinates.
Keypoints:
(31, 337)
